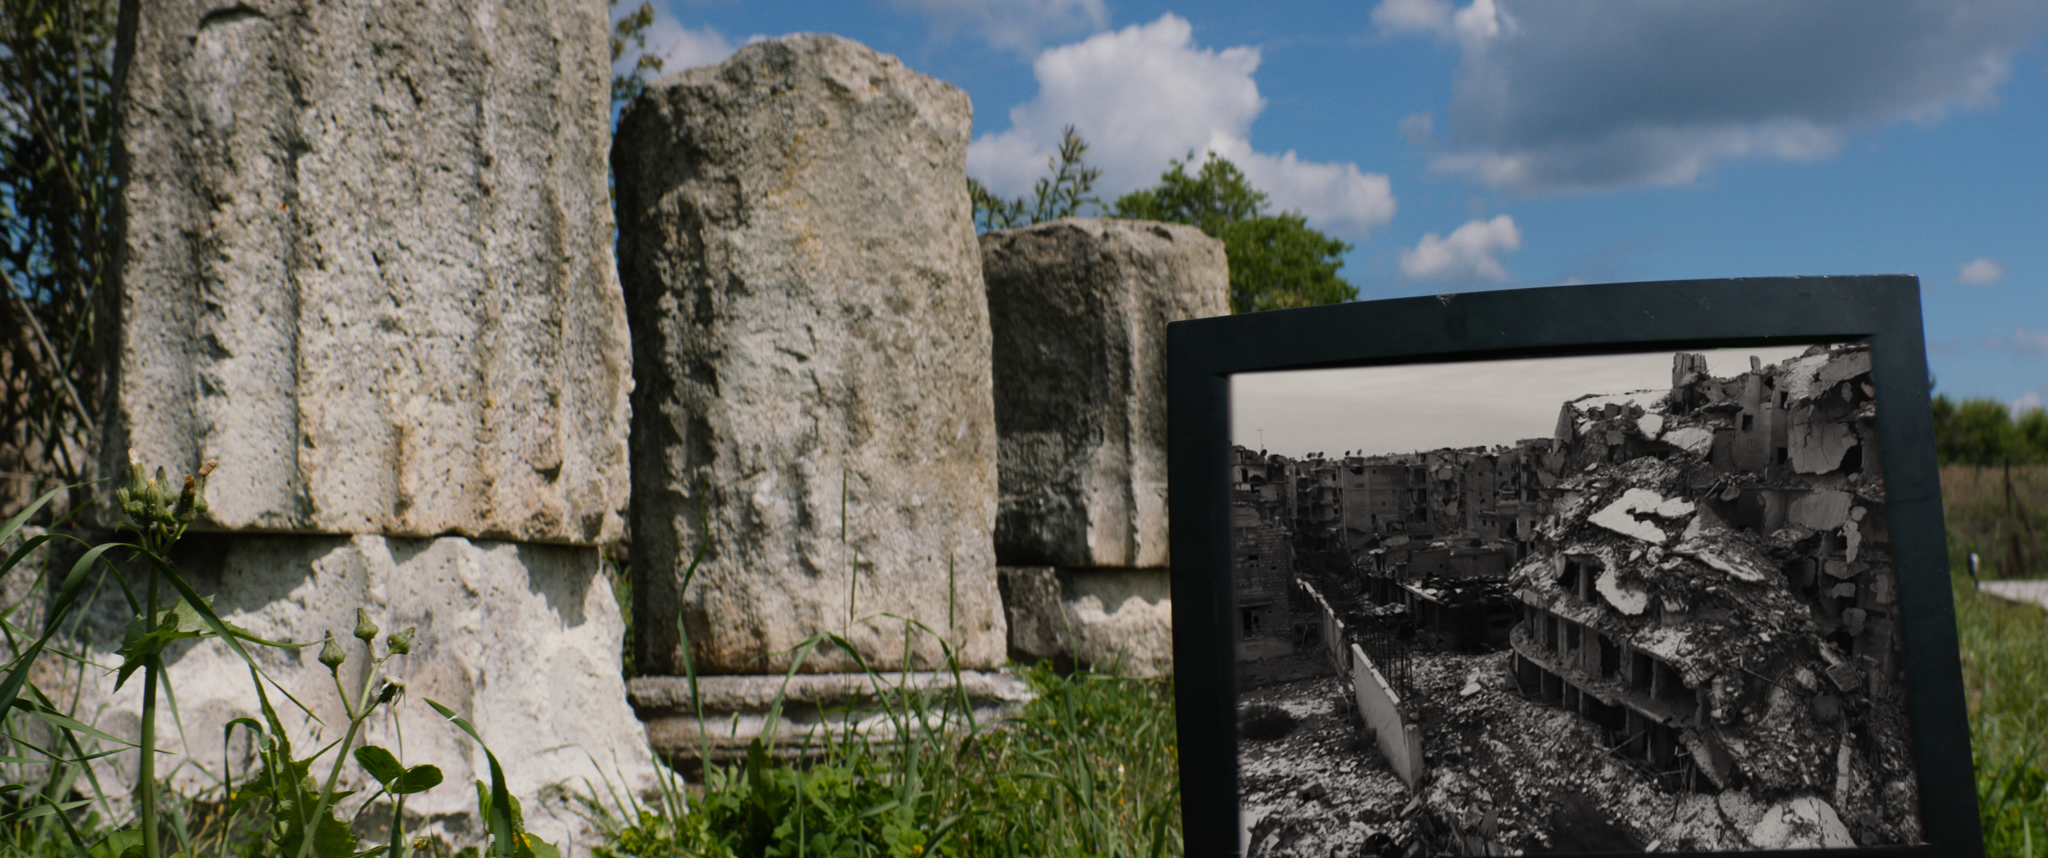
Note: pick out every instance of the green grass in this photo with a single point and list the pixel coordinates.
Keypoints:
(2004, 656)
(1089, 767)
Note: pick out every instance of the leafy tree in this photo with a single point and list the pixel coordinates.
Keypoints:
(56, 192)
(1276, 260)
(632, 30)
(1982, 432)
(2033, 429)
(1062, 194)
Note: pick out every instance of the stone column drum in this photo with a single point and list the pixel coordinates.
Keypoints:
(811, 350)
(1078, 309)
(366, 265)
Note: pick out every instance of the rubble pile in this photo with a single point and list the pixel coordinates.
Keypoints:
(1320, 789)
(1714, 592)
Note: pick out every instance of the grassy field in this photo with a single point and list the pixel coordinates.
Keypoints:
(2004, 650)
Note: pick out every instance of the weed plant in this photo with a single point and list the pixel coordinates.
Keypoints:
(2004, 653)
(54, 802)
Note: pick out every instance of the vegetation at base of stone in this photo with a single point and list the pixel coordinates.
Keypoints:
(53, 801)
(1063, 194)
(1985, 432)
(1276, 261)
(1089, 767)
(631, 29)
(2005, 677)
(618, 573)
(56, 192)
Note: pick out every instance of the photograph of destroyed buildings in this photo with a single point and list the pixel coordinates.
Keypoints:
(1608, 603)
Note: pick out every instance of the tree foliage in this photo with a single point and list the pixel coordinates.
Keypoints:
(632, 30)
(1063, 194)
(56, 194)
(1276, 260)
(1984, 432)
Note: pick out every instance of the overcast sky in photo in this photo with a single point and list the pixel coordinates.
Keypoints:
(1412, 407)
(1485, 144)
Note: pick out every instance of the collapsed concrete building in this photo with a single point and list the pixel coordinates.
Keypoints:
(1715, 590)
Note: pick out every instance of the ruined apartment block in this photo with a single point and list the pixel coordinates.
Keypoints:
(1716, 590)
(1262, 547)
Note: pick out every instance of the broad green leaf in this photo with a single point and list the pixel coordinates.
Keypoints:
(417, 779)
(380, 764)
(118, 844)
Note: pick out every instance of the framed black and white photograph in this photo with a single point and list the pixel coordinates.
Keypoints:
(1620, 568)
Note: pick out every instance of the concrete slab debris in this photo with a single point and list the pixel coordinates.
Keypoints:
(1625, 516)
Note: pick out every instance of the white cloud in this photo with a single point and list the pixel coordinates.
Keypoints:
(1413, 16)
(1482, 20)
(1980, 272)
(1479, 21)
(679, 47)
(1467, 255)
(1016, 25)
(1144, 95)
(1555, 97)
(2027, 402)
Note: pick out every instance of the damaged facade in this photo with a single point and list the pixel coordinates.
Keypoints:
(1262, 549)
(1715, 590)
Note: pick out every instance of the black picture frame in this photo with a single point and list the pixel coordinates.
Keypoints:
(1882, 311)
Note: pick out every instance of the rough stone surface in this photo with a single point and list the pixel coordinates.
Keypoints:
(523, 640)
(811, 351)
(736, 708)
(1078, 309)
(1098, 617)
(367, 266)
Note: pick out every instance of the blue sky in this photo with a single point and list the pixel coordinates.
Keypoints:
(1484, 144)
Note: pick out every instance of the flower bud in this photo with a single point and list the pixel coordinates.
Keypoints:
(401, 642)
(331, 654)
(365, 630)
(199, 499)
(188, 500)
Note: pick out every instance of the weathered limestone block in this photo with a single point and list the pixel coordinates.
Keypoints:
(1078, 309)
(367, 266)
(736, 709)
(523, 640)
(811, 354)
(1106, 619)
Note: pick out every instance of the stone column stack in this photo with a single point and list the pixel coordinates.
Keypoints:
(811, 348)
(1078, 309)
(366, 265)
